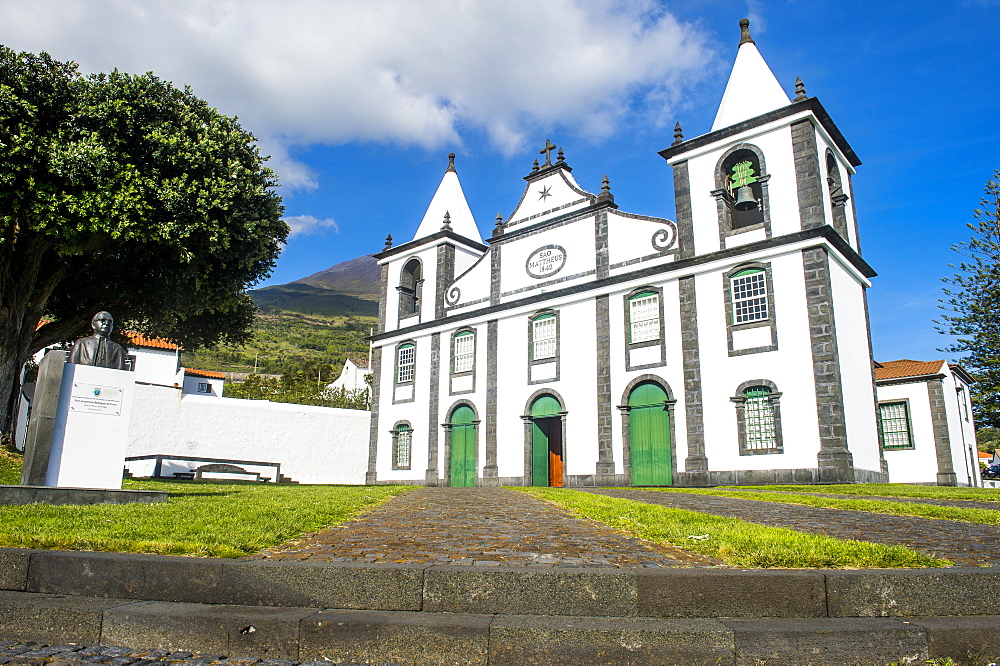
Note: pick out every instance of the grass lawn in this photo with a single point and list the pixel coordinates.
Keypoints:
(735, 542)
(870, 505)
(893, 490)
(208, 518)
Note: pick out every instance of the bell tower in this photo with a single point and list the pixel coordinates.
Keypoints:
(766, 195)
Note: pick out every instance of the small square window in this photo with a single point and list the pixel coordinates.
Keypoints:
(896, 432)
(204, 387)
(749, 296)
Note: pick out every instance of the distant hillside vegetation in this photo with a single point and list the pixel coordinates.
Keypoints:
(311, 325)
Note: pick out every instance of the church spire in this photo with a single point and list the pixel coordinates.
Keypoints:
(449, 200)
(752, 89)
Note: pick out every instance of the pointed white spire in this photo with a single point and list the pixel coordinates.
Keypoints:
(752, 89)
(449, 199)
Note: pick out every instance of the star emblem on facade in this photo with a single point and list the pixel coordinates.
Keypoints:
(545, 193)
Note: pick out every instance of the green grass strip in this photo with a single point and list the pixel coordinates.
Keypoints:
(212, 519)
(735, 542)
(980, 516)
(893, 490)
(10, 468)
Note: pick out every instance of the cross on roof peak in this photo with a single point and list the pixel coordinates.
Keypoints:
(547, 151)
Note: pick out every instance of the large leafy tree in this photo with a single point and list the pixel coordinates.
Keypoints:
(972, 304)
(120, 192)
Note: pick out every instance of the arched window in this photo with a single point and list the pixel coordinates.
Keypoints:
(402, 445)
(742, 192)
(757, 417)
(838, 199)
(410, 283)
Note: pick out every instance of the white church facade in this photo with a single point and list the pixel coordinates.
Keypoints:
(583, 345)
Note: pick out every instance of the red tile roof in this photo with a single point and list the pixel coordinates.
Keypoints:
(359, 362)
(907, 368)
(139, 340)
(207, 374)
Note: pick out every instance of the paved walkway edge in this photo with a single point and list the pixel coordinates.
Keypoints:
(15, 495)
(369, 612)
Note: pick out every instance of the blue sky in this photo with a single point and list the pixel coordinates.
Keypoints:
(360, 101)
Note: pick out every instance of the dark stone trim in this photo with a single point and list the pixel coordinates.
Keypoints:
(682, 203)
(494, 277)
(527, 419)
(552, 223)
(810, 104)
(523, 220)
(725, 215)
(601, 244)
(659, 341)
(490, 470)
(548, 283)
(383, 297)
(447, 439)
(836, 464)
(451, 360)
(808, 174)
(433, 416)
(740, 401)
(624, 410)
(444, 277)
(605, 452)
(854, 213)
(395, 444)
(825, 232)
(371, 475)
(420, 242)
(696, 461)
(395, 371)
(531, 346)
(838, 200)
(772, 319)
(942, 439)
(909, 423)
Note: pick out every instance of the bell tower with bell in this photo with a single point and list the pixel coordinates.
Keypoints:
(765, 208)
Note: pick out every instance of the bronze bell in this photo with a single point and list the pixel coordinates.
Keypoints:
(744, 199)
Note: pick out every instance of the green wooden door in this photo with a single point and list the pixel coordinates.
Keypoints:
(463, 447)
(544, 416)
(649, 435)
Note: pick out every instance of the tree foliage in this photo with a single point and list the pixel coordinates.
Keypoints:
(972, 304)
(299, 388)
(121, 192)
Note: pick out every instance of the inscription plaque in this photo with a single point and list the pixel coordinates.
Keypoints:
(546, 261)
(95, 399)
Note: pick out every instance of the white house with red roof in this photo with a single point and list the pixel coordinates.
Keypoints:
(352, 376)
(926, 424)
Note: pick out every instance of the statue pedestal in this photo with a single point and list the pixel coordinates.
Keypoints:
(79, 426)
(88, 450)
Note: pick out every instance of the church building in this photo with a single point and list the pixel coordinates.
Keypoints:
(582, 345)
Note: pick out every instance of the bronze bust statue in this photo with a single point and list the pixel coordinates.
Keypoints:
(97, 349)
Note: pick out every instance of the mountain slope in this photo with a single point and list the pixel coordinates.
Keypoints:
(358, 277)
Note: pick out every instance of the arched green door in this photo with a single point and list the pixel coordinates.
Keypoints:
(649, 435)
(463, 447)
(546, 442)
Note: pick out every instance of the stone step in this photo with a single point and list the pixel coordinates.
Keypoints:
(305, 634)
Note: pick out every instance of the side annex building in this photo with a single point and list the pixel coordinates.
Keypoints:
(582, 345)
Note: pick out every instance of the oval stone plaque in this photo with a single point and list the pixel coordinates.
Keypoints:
(546, 261)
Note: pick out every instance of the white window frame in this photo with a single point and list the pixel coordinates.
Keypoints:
(405, 363)
(644, 317)
(749, 296)
(897, 419)
(463, 352)
(544, 337)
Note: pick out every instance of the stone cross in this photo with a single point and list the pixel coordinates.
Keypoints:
(547, 151)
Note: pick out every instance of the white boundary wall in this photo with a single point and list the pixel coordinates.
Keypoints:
(313, 444)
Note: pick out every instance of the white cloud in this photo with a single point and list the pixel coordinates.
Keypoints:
(304, 225)
(419, 72)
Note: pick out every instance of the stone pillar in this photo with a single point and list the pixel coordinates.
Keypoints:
(605, 454)
(942, 440)
(808, 178)
(371, 477)
(42, 427)
(696, 462)
(682, 202)
(433, 415)
(490, 469)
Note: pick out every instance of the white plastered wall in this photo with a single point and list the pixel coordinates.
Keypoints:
(576, 238)
(313, 444)
(919, 464)
(962, 459)
(789, 367)
(155, 366)
(855, 366)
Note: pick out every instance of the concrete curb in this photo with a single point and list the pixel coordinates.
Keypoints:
(461, 614)
(17, 495)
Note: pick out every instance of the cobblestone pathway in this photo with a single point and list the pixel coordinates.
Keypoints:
(967, 544)
(960, 504)
(73, 654)
(481, 527)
